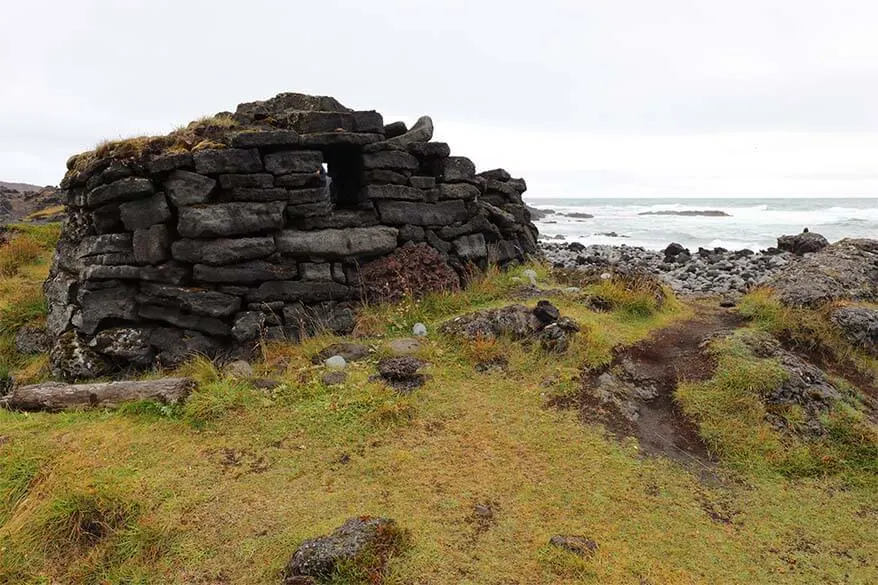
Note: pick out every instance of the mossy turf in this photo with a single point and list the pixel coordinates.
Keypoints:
(225, 487)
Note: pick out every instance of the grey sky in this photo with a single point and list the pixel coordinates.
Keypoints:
(677, 96)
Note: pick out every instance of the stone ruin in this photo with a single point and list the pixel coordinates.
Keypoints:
(259, 224)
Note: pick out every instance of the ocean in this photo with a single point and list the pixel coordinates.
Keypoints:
(750, 223)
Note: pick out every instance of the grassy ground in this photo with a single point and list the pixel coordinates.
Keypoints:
(223, 489)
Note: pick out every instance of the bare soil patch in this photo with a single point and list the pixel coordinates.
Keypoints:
(634, 395)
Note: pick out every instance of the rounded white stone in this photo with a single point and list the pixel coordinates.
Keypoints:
(419, 330)
(336, 362)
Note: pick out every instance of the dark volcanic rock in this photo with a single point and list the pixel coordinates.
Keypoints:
(846, 270)
(185, 188)
(546, 312)
(222, 251)
(803, 243)
(227, 160)
(361, 541)
(230, 219)
(704, 213)
(860, 326)
(31, 339)
(423, 214)
(578, 545)
(421, 132)
(402, 372)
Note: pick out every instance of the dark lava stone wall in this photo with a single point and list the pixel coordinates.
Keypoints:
(168, 252)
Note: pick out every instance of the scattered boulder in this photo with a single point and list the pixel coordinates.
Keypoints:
(351, 352)
(404, 346)
(859, 325)
(401, 373)
(556, 337)
(846, 270)
(419, 330)
(578, 545)
(517, 322)
(673, 250)
(334, 378)
(804, 243)
(803, 385)
(335, 362)
(546, 312)
(239, 369)
(364, 541)
(31, 339)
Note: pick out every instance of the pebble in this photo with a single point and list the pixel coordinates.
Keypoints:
(336, 362)
(419, 330)
(531, 275)
(239, 369)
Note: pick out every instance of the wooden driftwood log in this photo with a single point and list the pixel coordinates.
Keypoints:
(55, 396)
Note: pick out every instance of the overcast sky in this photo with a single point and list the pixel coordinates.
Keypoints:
(582, 98)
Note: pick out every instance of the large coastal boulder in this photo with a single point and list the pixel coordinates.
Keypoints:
(804, 243)
(846, 270)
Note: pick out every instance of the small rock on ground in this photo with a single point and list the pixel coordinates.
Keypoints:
(404, 346)
(401, 373)
(319, 557)
(578, 545)
(334, 378)
(336, 362)
(419, 330)
(31, 340)
(239, 369)
(351, 352)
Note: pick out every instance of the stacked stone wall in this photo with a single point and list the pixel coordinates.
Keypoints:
(249, 234)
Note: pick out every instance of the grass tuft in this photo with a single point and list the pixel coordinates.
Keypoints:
(732, 419)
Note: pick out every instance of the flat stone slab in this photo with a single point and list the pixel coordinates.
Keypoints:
(336, 243)
(404, 346)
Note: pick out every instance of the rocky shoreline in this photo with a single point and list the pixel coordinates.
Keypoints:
(717, 271)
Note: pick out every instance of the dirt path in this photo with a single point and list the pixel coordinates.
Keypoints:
(633, 396)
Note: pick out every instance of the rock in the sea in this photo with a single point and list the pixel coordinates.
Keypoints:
(804, 243)
(363, 541)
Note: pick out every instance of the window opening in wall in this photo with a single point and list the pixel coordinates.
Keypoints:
(344, 172)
